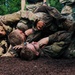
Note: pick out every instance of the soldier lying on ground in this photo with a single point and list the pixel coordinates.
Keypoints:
(55, 44)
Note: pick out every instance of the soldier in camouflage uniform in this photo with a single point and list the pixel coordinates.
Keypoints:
(68, 9)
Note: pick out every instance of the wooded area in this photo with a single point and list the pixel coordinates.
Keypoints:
(10, 6)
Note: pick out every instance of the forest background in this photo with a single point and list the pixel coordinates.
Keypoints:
(10, 6)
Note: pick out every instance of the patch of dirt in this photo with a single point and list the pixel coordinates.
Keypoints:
(41, 66)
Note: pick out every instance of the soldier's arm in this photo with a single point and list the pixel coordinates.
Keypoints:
(44, 41)
(29, 31)
(10, 18)
(7, 55)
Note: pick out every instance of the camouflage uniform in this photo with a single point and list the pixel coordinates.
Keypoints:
(10, 20)
(58, 43)
(51, 17)
(68, 9)
(64, 48)
(3, 41)
(53, 20)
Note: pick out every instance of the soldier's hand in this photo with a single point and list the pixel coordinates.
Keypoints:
(18, 47)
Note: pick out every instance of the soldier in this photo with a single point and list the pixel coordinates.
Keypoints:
(68, 9)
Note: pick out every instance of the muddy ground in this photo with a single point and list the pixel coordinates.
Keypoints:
(41, 66)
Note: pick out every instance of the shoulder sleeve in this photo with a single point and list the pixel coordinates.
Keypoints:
(55, 13)
(29, 15)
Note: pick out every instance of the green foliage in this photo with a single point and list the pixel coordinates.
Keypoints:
(56, 4)
(14, 5)
(9, 6)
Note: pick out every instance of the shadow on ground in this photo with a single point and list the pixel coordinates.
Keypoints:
(41, 66)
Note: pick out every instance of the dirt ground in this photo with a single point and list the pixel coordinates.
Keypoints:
(41, 66)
